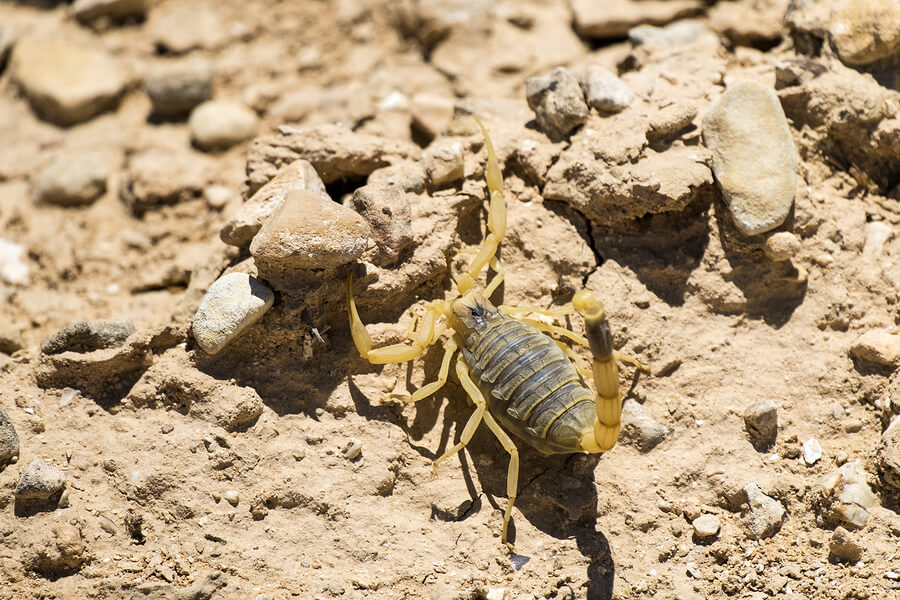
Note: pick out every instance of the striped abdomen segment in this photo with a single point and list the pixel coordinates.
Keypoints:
(531, 386)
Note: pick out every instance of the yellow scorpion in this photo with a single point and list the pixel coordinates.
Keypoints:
(519, 379)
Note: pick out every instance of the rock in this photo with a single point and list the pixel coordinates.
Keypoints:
(156, 177)
(352, 449)
(639, 428)
(406, 176)
(39, 483)
(172, 383)
(444, 162)
(220, 124)
(843, 547)
(671, 120)
(72, 178)
(812, 451)
(86, 11)
(658, 182)
(87, 336)
(387, 211)
(613, 19)
(856, 116)
(706, 526)
(13, 269)
(557, 102)
(430, 113)
(603, 90)
(334, 151)
(761, 421)
(298, 175)
(234, 302)
(67, 82)
(782, 246)
(307, 232)
(754, 158)
(877, 235)
(231, 497)
(63, 553)
(106, 374)
(757, 25)
(176, 88)
(889, 455)
(681, 32)
(878, 346)
(766, 514)
(854, 494)
(10, 337)
(865, 31)
(180, 28)
(9, 441)
(218, 196)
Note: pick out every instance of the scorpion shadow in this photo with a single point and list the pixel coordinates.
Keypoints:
(557, 493)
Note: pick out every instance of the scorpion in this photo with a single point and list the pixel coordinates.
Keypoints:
(520, 379)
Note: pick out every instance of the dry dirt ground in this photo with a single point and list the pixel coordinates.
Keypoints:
(280, 467)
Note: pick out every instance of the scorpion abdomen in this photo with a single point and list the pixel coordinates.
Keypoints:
(530, 385)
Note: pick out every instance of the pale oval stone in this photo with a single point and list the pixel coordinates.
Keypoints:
(444, 162)
(72, 179)
(754, 159)
(232, 303)
(220, 124)
(13, 268)
(812, 451)
(878, 346)
(706, 526)
(308, 231)
(67, 82)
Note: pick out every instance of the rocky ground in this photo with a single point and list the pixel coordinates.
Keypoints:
(185, 187)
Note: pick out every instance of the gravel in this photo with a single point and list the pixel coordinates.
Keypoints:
(761, 422)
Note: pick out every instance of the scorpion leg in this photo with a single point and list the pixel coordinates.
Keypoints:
(512, 474)
(547, 328)
(496, 280)
(462, 371)
(553, 311)
(428, 389)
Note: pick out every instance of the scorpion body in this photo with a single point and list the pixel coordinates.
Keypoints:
(531, 386)
(520, 380)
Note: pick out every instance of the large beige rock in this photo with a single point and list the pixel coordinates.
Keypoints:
(298, 175)
(67, 82)
(308, 231)
(864, 31)
(221, 124)
(754, 159)
(878, 346)
(614, 18)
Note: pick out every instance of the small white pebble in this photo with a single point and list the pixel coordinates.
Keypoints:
(232, 497)
(67, 396)
(352, 449)
(812, 451)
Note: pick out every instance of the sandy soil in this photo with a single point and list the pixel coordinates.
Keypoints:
(280, 467)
